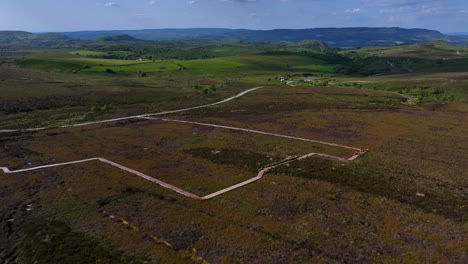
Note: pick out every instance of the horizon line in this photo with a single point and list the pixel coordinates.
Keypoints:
(223, 28)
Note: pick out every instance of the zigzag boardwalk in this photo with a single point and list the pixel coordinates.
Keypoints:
(259, 176)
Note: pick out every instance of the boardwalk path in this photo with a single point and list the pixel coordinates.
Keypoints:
(136, 116)
(256, 132)
(259, 176)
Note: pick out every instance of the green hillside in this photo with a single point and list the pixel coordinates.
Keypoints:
(26, 39)
(434, 50)
(115, 38)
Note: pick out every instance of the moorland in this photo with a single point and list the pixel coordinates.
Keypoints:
(404, 200)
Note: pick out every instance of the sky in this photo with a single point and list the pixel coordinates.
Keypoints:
(447, 16)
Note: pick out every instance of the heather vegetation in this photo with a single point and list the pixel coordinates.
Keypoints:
(403, 201)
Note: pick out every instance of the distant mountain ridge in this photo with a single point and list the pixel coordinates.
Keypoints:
(341, 37)
(152, 34)
(336, 37)
(333, 37)
(27, 39)
(459, 34)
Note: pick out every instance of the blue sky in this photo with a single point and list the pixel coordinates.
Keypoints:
(74, 15)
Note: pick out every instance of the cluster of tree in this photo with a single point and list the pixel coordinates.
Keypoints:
(205, 89)
(96, 108)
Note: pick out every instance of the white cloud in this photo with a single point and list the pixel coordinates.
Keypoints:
(354, 10)
(111, 4)
(240, 1)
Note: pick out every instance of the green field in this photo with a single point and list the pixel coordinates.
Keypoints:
(256, 63)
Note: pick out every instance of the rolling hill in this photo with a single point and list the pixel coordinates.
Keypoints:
(26, 39)
(434, 50)
(336, 37)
